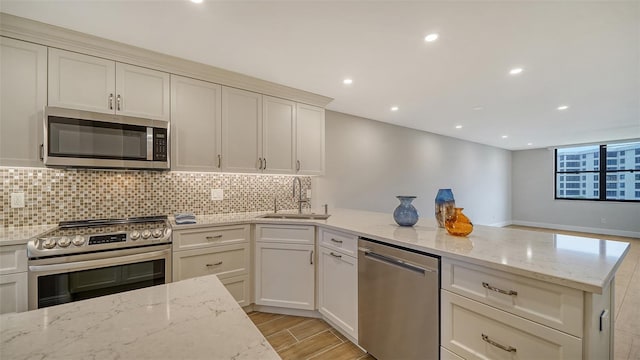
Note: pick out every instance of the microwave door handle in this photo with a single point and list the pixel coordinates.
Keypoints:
(150, 144)
(92, 264)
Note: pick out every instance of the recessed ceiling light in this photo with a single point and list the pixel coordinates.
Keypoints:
(431, 37)
(394, 108)
(197, 1)
(529, 144)
(458, 126)
(563, 107)
(505, 136)
(478, 108)
(347, 81)
(515, 71)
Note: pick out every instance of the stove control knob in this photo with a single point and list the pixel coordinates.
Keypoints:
(146, 234)
(64, 241)
(49, 243)
(78, 240)
(156, 233)
(135, 235)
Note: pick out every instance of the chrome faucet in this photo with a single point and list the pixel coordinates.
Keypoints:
(300, 200)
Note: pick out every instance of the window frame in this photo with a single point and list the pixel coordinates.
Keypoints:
(602, 177)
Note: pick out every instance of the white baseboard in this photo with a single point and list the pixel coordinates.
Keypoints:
(287, 311)
(500, 224)
(633, 234)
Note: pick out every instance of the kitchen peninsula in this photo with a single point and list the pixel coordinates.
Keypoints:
(564, 291)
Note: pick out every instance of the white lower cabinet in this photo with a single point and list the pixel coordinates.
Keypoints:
(338, 289)
(477, 331)
(13, 293)
(338, 279)
(285, 266)
(220, 250)
(13, 279)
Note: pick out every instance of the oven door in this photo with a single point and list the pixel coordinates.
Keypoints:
(61, 280)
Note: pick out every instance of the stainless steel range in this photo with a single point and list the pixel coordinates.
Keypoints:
(89, 258)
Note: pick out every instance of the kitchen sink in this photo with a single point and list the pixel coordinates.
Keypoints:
(295, 216)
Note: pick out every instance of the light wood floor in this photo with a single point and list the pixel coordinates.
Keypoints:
(627, 310)
(301, 338)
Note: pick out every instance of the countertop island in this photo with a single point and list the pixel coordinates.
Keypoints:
(581, 263)
(190, 319)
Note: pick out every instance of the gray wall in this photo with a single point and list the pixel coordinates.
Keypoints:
(533, 202)
(368, 163)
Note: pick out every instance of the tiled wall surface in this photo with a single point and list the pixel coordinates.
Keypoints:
(53, 195)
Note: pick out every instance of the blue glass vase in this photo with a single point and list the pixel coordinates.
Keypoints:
(405, 214)
(445, 206)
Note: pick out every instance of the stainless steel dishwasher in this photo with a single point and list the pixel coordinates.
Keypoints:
(398, 302)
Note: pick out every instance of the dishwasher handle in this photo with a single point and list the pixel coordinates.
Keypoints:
(395, 261)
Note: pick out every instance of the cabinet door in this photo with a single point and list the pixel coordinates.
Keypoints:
(310, 140)
(142, 92)
(239, 288)
(284, 275)
(241, 130)
(13, 293)
(338, 289)
(82, 82)
(195, 124)
(278, 135)
(23, 95)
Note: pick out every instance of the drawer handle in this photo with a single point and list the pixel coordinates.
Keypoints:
(498, 345)
(506, 292)
(215, 264)
(336, 241)
(335, 255)
(214, 237)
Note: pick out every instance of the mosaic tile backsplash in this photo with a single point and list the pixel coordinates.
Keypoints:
(54, 195)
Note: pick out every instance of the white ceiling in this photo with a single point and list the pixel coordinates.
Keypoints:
(582, 54)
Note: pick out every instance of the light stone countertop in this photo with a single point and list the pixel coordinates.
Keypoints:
(582, 263)
(190, 319)
(21, 234)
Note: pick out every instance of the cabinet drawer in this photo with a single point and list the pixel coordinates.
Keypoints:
(212, 236)
(290, 234)
(549, 304)
(477, 331)
(13, 259)
(226, 261)
(339, 241)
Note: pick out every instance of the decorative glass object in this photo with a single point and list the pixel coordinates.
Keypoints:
(405, 214)
(458, 224)
(444, 205)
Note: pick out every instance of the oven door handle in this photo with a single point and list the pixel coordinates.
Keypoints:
(92, 264)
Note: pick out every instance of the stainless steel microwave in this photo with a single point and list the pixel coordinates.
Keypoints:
(75, 138)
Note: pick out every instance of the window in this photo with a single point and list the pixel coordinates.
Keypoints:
(577, 166)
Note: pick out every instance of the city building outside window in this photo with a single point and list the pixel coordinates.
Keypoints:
(578, 171)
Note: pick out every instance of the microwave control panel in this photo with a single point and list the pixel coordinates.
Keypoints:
(160, 144)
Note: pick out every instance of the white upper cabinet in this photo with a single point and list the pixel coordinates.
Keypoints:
(23, 95)
(84, 82)
(196, 115)
(278, 135)
(310, 140)
(241, 130)
(142, 92)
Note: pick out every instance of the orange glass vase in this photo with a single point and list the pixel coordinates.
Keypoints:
(458, 224)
